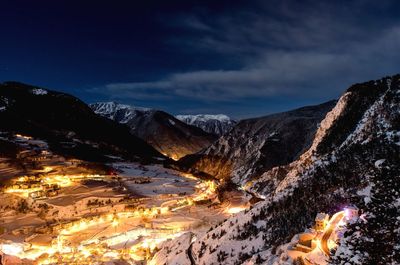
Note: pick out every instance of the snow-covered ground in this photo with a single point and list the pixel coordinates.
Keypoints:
(143, 208)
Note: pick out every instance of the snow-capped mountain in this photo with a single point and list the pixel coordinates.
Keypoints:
(256, 145)
(119, 112)
(352, 161)
(218, 124)
(161, 130)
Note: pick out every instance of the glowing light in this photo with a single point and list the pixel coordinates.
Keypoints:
(47, 169)
(347, 213)
(107, 245)
(206, 190)
(12, 249)
(234, 210)
(172, 156)
(23, 136)
(188, 176)
(115, 223)
(331, 244)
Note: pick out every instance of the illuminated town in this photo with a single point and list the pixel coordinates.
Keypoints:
(61, 221)
(81, 218)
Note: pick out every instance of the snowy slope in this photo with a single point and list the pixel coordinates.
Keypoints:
(218, 124)
(354, 161)
(256, 145)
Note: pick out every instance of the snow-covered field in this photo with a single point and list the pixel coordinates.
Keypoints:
(141, 209)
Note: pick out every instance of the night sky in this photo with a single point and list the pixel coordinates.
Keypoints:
(241, 58)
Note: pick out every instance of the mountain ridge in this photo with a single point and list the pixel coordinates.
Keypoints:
(161, 130)
(258, 144)
(67, 123)
(218, 124)
(354, 161)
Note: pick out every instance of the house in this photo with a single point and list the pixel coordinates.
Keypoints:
(306, 241)
(51, 193)
(37, 194)
(321, 220)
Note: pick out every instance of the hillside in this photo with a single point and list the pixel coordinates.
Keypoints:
(256, 145)
(161, 130)
(353, 161)
(67, 124)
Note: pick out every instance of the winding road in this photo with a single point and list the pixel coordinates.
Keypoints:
(336, 218)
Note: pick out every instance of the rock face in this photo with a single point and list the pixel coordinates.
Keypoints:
(216, 124)
(68, 125)
(161, 130)
(256, 145)
(353, 160)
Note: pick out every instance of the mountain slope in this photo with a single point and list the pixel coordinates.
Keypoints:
(215, 124)
(67, 124)
(256, 145)
(354, 160)
(164, 132)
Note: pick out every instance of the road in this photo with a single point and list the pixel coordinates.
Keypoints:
(189, 252)
(336, 218)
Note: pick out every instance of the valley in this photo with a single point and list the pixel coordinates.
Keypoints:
(61, 215)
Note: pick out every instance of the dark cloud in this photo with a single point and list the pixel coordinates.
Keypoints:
(285, 49)
(244, 57)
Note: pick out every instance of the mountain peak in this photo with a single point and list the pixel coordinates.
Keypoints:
(163, 131)
(217, 124)
(121, 113)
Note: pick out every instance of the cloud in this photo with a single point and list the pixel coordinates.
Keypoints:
(296, 51)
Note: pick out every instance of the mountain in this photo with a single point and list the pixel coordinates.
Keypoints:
(354, 160)
(161, 130)
(215, 124)
(255, 145)
(120, 113)
(67, 124)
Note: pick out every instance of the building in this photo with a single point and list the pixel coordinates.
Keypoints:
(37, 194)
(51, 193)
(350, 212)
(306, 242)
(321, 220)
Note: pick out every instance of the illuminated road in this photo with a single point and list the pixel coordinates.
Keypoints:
(336, 218)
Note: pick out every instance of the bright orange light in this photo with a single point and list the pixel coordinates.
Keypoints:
(115, 223)
(234, 210)
(23, 136)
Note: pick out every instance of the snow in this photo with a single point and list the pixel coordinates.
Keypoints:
(376, 119)
(109, 107)
(39, 91)
(171, 121)
(378, 163)
(366, 193)
(327, 123)
(203, 117)
(173, 252)
(161, 180)
(217, 124)
(112, 109)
